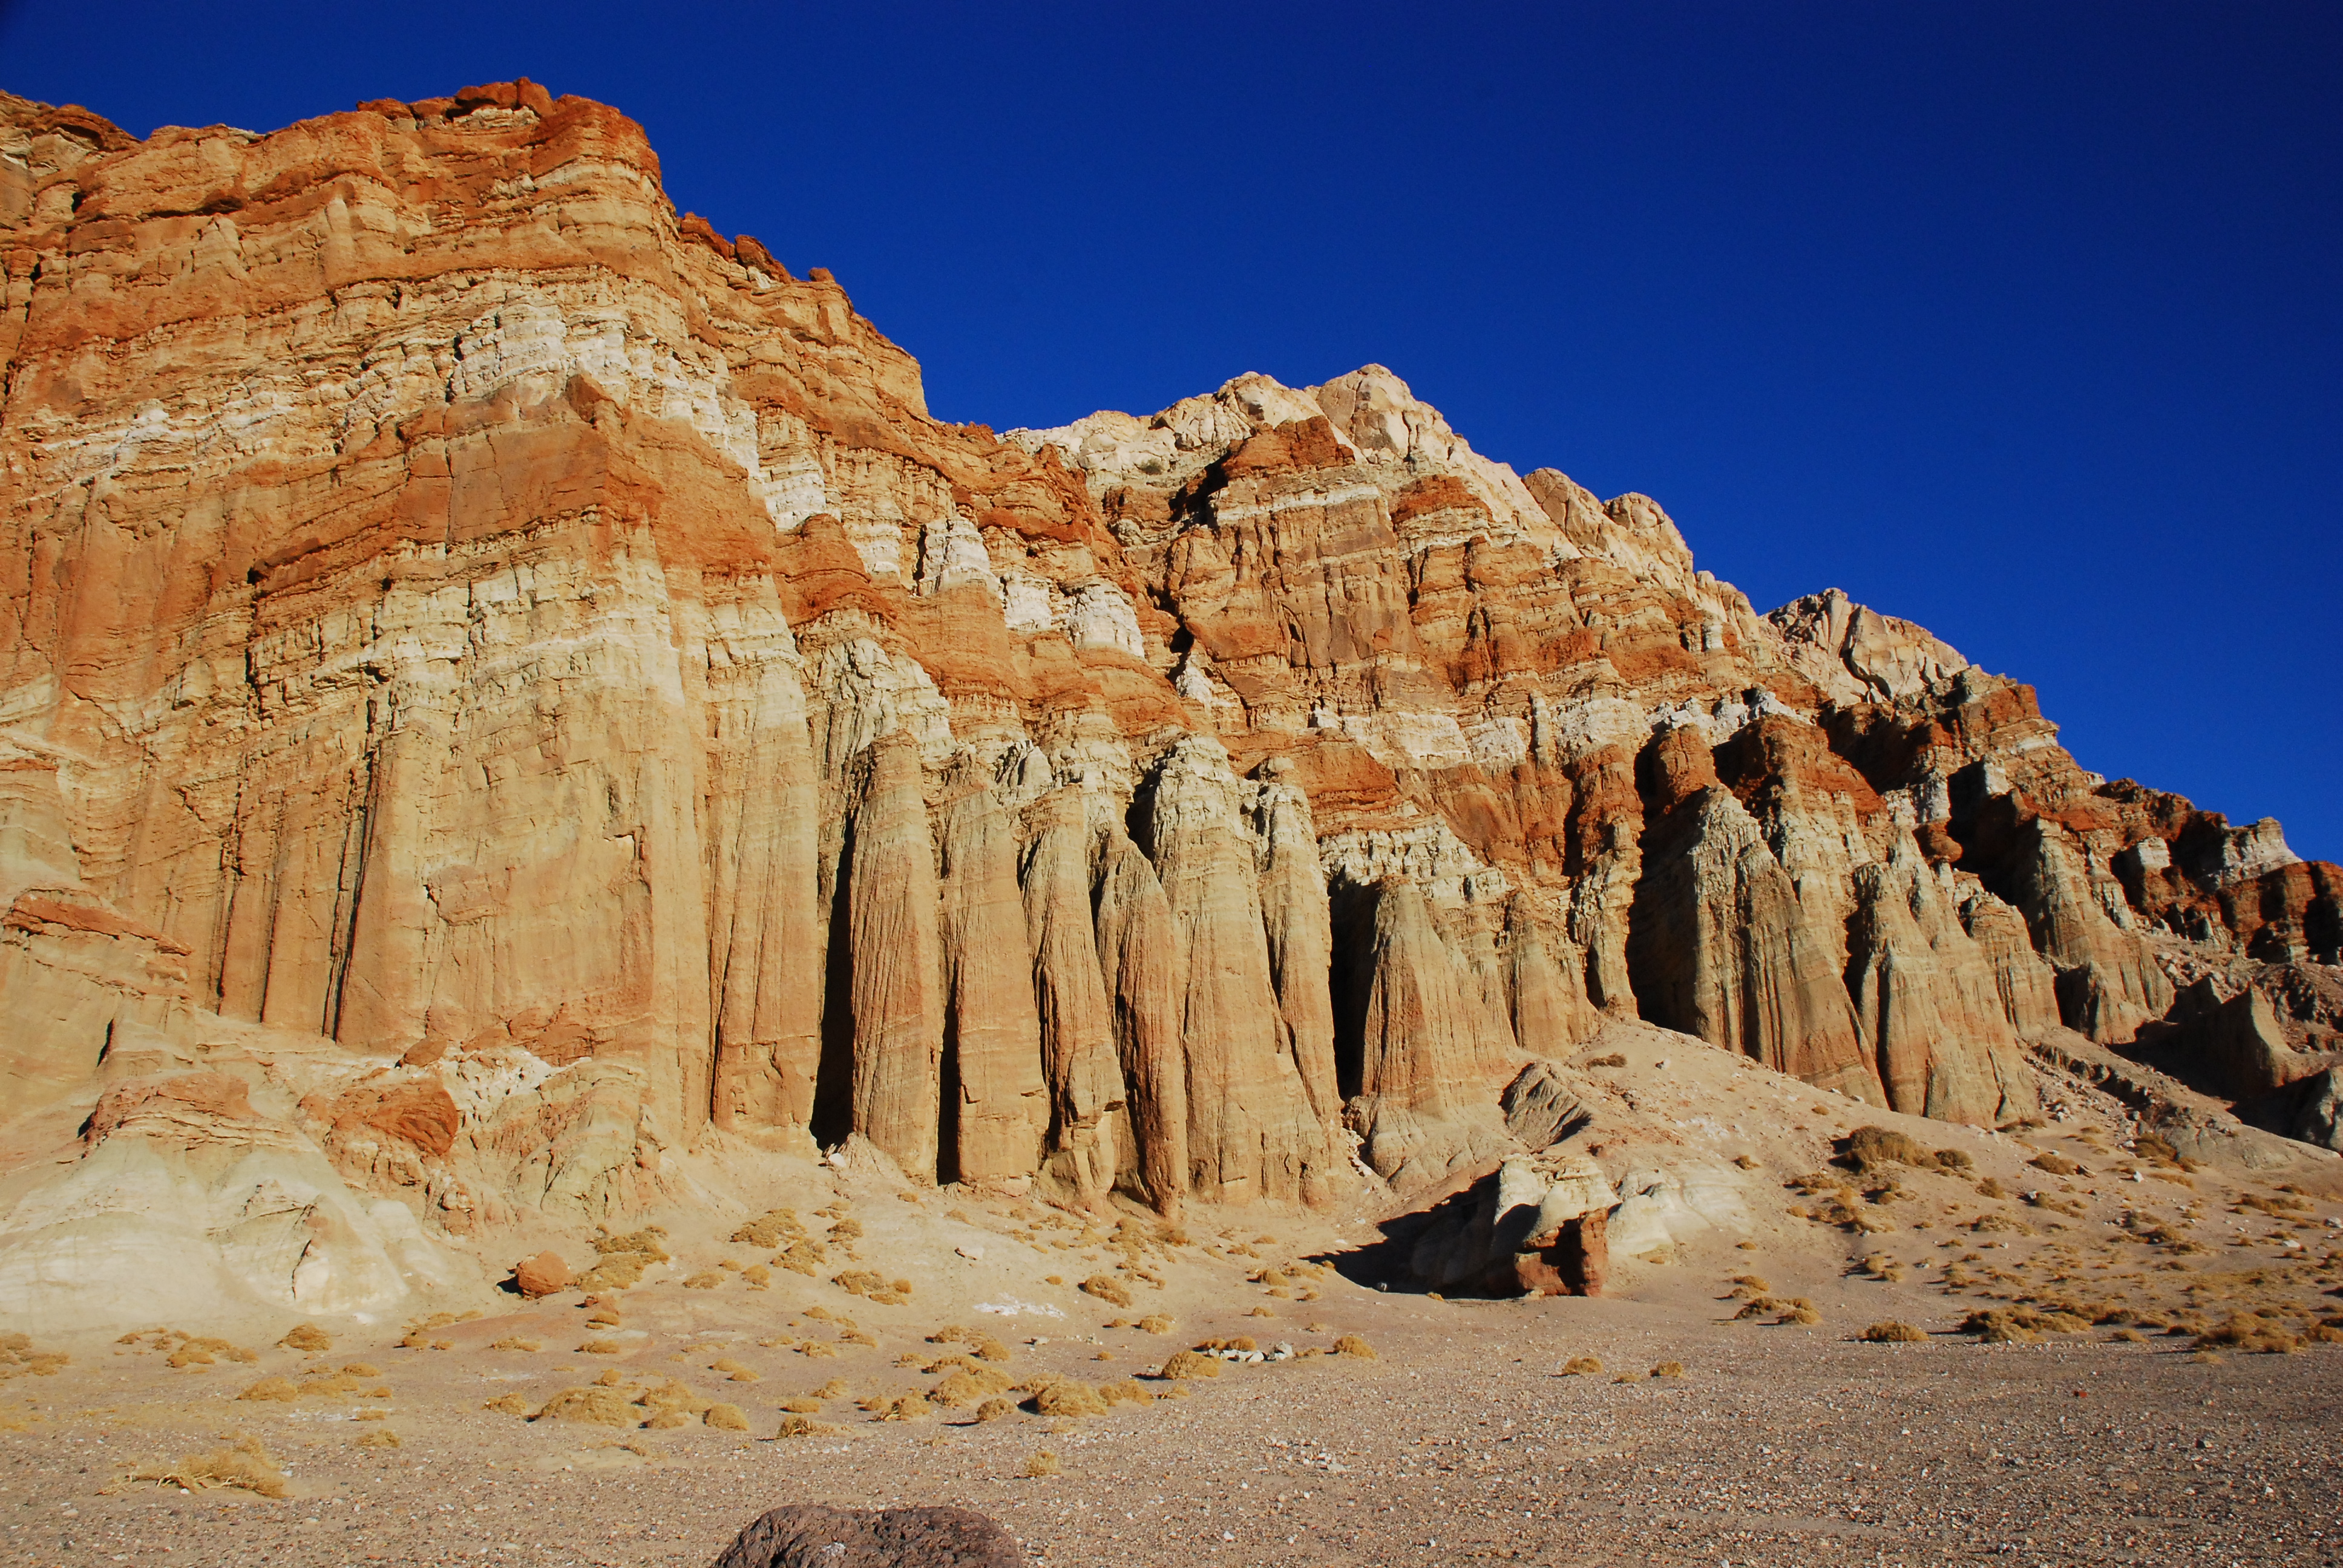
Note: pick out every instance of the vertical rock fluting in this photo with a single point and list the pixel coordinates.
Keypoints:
(1084, 1081)
(765, 934)
(1551, 1013)
(1925, 995)
(2024, 980)
(996, 1106)
(1721, 946)
(895, 959)
(2108, 984)
(1251, 1133)
(1416, 1107)
(1136, 954)
(1301, 937)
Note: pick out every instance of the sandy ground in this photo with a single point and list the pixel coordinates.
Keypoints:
(2115, 1440)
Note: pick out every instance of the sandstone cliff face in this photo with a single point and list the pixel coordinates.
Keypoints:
(480, 633)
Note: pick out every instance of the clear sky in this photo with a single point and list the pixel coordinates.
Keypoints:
(2022, 320)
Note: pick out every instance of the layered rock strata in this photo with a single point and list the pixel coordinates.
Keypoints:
(476, 631)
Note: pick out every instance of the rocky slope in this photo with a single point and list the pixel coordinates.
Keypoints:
(506, 693)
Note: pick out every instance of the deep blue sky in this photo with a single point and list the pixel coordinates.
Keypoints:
(2023, 320)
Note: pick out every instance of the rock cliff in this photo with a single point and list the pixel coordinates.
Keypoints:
(500, 684)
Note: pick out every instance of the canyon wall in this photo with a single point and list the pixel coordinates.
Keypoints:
(523, 679)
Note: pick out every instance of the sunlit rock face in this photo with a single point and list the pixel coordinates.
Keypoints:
(470, 631)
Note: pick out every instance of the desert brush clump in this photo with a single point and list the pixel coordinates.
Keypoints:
(803, 1426)
(726, 1417)
(507, 1404)
(995, 1409)
(307, 1337)
(1185, 1364)
(1108, 1289)
(595, 1405)
(733, 1370)
(1668, 1369)
(272, 1388)
(1155, 1323)
(1582, 1366)
(243, 1464)
(624, 1257)
(2054, 1164)
(515, 1343)
(1066, 1397)
(382, 1437)
(1352, 1345)
(1040, 1463)
(770, 1229)
(1800, 1317)
(2254, 1334)
(1894, 1331)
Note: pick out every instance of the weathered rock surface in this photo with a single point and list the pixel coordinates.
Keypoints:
(809, 1535)
(520, 681)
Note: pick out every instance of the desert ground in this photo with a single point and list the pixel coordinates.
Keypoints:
(2105, 1357)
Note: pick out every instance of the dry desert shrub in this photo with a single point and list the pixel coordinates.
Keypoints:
(1108, 1289)
(1067, 1397)
(307, 1337)
(507, 1404)
(1352, 1345)
(733, 1370)
(1126, 1390)
(595, 1405)
(381, 1438)
(374, 1416)
(1869, 1147)
(1668, 1369)
(834, 1389)
(995, 1409)
(726, 1418)
(1614, 1060)
(601, 1348)
(1894, 1331)
(1799, 1317)
(950, 1334)
(1582, 1366)
(1189, 1364)
(2254, 1335)
(1041, 1462)
(667, 1420)
(802, 1406)
(817, 1349)
(799, 1426)
(2054, 1164)
(244, 1465)
(2128, 1337)
(990, 1349)
(272, 1388)
(1759, 1307)
(769, 1229)
(513, 1343)
(1156, 1323)
(706, 1280)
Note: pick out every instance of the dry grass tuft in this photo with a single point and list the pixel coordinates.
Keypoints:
(272, 1388)
(2254, 1335)
(244, 1465)
(1799, 1317)
(1068, 1397)
(1582, 1366)
(307, 1337)
(727, 1418)
(601, 1348)
(1668, 1369)
(950, 1334)
(1189, 1364)
(995, 1409)
(1108, 1289)
(802, 1406)
(382, 1437)
(706, 1280)
(1156, 1323)
(1894, 1331)
(733, 1370)
(596, 1406)
(1126, 1390)
(834, 1389)
(512, 1342)
(990, 1349)
(507, 1404)
(1041, 1462)
(769, 1229)
(1352, 1345)
(801, 1426)
(2055, 1163)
